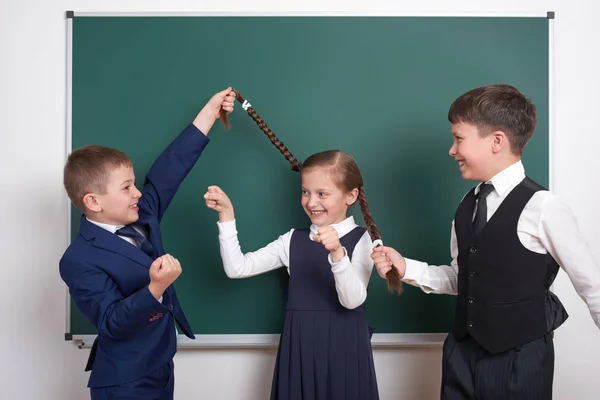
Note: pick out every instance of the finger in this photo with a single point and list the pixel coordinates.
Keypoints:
(214, 189)
(214, 196)
(168, 262)
(211, 203)
(383, 271)
(324, 229)
(317, 238)
(384, 265)
(380, 259)
(225, 92)
(156, 263)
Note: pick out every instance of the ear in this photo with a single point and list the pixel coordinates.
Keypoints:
(91, 202)
(351, 197)
(499, 141)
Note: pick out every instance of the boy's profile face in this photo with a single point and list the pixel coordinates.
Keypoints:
(472, 151)
(118, 205)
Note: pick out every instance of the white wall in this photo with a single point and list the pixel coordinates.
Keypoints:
(36, 364)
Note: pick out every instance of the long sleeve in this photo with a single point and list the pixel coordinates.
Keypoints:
(442, 279)
(99, 299)
(559, 233)
(170, 169)
(352, 275)
(239, 265)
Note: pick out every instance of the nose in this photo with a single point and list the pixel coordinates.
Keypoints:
(312, 202)
(452, 151)
(137, 194)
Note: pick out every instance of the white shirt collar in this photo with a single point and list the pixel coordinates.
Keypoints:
(506, 179)
(108, 227)
(341, 228)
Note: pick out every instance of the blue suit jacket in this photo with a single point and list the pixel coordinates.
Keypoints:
(108, 279)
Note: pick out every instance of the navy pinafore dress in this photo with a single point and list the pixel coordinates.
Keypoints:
(325, 349)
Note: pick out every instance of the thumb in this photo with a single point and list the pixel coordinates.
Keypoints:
(156, 264)
(225, 92)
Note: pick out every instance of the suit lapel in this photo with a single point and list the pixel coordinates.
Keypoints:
(111, 242)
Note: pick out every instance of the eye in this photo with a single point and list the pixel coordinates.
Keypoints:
(304, 192)
(126, 187)
(322, 194)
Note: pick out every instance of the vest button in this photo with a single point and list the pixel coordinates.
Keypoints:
(471, 299)
(473, 250)
(470, 324)
(472, 274)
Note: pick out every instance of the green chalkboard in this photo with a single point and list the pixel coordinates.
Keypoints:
(378, 88)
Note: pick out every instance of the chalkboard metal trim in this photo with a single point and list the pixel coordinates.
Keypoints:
(68, 147)
(541, 14)
(271, 341)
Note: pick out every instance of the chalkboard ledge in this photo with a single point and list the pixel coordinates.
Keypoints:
(267, 341)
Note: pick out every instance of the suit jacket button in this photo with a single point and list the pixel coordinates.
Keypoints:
(471, 300)
(473, 250)
(472, 274)
(470, 324)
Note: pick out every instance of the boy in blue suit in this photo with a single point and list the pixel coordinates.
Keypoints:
(116, 268)
(508, 240)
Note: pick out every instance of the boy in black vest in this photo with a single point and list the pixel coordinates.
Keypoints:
(509, 237)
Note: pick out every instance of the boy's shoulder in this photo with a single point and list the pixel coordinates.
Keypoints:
(77, 249)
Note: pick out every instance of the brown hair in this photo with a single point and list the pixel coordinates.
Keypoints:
(87, 170)
(497, 107)
(345, 168)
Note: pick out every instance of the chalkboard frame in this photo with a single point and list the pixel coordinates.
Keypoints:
(271, 340)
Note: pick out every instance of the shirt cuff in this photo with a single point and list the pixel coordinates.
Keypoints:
(340, 265)
(227, 229)
(413, 269)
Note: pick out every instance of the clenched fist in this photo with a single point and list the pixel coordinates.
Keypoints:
(163, 272)
(217, 200)
(329, 237)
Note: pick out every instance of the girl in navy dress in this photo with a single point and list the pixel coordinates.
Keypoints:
(325, 348)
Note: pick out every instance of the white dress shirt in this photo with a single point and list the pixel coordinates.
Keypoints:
(545, 225)
(351, 275)
(115, 228)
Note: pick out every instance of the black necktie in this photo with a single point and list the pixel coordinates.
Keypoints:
(144, 244)
(481, 213)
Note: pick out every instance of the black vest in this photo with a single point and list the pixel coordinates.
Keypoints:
(503, 298)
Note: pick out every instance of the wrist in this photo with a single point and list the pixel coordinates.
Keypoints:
(156, 290)
(337, 254)
(204, 121)
(402, 267)
(226, 216)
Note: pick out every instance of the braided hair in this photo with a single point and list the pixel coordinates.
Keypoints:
(343, 164)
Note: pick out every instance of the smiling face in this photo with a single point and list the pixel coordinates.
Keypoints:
(118, 204)
(324, 202)
(472, 151)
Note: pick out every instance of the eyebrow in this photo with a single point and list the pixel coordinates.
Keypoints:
(317, 190)
(127, 181)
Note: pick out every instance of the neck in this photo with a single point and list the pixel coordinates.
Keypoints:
(501, 166)
(99, 218)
